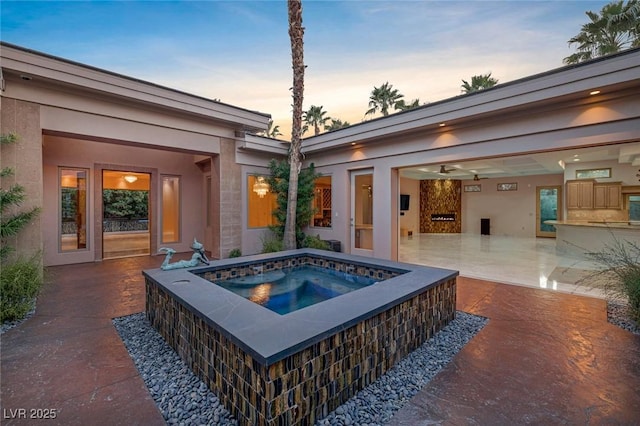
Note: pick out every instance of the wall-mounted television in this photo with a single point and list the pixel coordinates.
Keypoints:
(404, 202)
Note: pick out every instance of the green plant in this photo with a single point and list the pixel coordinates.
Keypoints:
(279, 184)
(315, 242)
(20, 283)
(20, 278)
(272, 244)
(11, 223)
(619, 273)
(235, 253)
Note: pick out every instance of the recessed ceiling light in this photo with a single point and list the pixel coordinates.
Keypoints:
(594, 92)
(353, 143)
(576, 159)
(441, 124)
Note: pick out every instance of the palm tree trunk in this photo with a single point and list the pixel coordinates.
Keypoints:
(296, 33)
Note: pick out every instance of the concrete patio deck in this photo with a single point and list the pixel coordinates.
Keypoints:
(544, 358)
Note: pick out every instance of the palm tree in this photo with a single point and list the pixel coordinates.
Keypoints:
(336, 124)
(615, 28)
(403, 106)
(629, 16)
(296, 35)
(478, 82)
(382, 98)
(315, 117)
(272, 131)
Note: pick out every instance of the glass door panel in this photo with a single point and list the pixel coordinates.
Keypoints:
(362, 212)
(74, 209)
(125, 214)
(549, 207)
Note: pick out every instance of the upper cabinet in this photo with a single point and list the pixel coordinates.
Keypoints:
(589, 194)
(580, 194)
(607, 195)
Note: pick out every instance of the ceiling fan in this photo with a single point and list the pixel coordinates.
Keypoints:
(476, 177)
(444, 170)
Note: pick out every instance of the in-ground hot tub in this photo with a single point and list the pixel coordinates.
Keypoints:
(268, 368)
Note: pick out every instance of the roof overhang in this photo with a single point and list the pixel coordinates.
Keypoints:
(250, 142)
(46, 69)
(550, 90)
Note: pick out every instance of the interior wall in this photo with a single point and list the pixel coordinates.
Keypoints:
(410, 220)
(511, 213)
(440, 197)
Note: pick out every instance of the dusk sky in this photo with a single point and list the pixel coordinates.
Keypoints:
(239, 51)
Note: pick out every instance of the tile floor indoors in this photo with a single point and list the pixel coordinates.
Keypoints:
(531, 262)
(545, 357)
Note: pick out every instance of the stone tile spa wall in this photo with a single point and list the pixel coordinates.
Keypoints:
(307, 385)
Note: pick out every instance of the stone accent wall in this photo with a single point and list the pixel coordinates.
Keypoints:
(305, 386)
(25, 158)
(438, 197)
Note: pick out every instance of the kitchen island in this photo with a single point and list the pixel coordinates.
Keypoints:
(576, 238)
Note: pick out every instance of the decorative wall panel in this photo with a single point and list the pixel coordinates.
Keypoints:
(440, 206)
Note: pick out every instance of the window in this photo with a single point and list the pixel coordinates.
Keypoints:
(261, 202)
(74, 209)
(322, 203)
(170, 209)
(634, 207)
(593, 173)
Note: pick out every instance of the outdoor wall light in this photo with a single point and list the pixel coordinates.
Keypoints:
(130, 178)
(260, 187)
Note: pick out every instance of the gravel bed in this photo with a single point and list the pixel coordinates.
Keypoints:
(619, 313)
(183, 399)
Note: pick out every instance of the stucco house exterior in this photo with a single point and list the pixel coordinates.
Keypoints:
(84, 129)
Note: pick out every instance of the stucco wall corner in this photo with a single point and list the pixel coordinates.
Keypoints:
(25, 158)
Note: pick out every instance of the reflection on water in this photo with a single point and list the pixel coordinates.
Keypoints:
(260, 293)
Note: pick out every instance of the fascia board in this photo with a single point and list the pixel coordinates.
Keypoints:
(92, 79)
(257, 143)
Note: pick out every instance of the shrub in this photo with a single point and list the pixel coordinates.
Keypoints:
(272, 244)
(279, 184)
(20, 283)
(619, 275)
(235, 253)
(315, 243)
(12, 223)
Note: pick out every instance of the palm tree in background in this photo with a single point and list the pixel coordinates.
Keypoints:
(615, 28)
(403, 106)
(272, 131)
(382, 98)
(337, 124)
(478, 82)
(296, 35)
(315, 117)
(629, 16)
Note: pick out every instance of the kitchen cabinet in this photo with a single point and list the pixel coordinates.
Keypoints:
(607, 195)
(580, 194)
